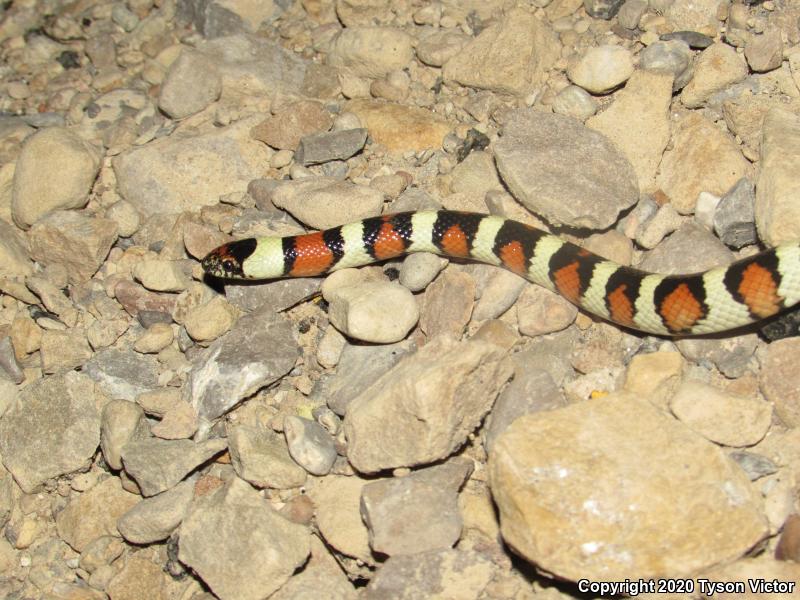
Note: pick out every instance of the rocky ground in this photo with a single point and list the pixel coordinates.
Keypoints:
(416, 429)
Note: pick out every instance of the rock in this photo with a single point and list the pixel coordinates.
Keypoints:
(291, 123)
(602, 68)
(588, 447)
(94, 513)
(732, 356)
(426, 405)
(122, 373)
(463, 574)
(335, 145)
(475, 176)
(310, 445)
(378, 312)
(339, 520)
(672, 257)
(439, 46)
(64, 350)
(780, 379)
(121, 422)
(154, 519)
(574, 101)
(532, 390)
(161, 275)
(673, 57)
(191, 84)
(417, 513)
(157, 337)
(330, 347)
(53, 429)
(655, 376)
(188, 171)
(788, 547)
(371, 51)
(764, 52)
(508, 57)
(73, 241)
(277, 295)
(664, 222)
(400, 128)
(447, 306)
(770, 578)
(137, 300)
(777, 215)
(638, 122)
(359, 366)
(690, 15)
(138, 577)
(419, 269)
(631, 12)
(717, 67)
(734, 219)
(314, 581)
(158, 465)
(721, 417)
(125, 216)
(235, 365)
(220, 18)
(324, 202)
(703, 159)
(70, 165)
(234, 531)
(14, 261)
(560, 169)
(210, 320)
(9, 366)
(262, 458)
(180, 422)
(540, 311)
(501, 291)
(602, 9)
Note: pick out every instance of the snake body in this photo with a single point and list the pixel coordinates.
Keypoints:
(716, 300)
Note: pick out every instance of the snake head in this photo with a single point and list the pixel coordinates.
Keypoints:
(227, 261)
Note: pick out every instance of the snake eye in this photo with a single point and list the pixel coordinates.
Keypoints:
(227, 264)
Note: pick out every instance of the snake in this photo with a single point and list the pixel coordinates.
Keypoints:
(716, 300)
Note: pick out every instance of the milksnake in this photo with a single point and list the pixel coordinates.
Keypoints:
(717, 300)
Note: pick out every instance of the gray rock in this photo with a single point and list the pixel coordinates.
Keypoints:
(731, 355)
(262, 458)
(334, 145)
(631, 12)
(436, 574)
(359, 366)
(259, 349)
(674, 57)
(239, 546)
(310, 445)
(690, 249)
(417, 513)
(122, 421)
(275, 295)
(191, 84)
(123, 373)
(9, 366)
(564, 171)
(215, 18)
(755, 465)
(154, 519)
(694, 39)
(532, 390)
(602, 9)
(53, 429)
(158, 465)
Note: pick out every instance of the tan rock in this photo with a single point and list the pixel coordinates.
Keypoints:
(777, 189)
(400, 128)
(211, 320)
(654, 377)
(780, 379)
(638, 122)
(371, 51)
(703, 159)
(719, 416)
(717, 67)
(55, 170)
(138, 578)
(509, 57)
(428, 404)
(447, 306)
(635, 493)
(338, 502)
